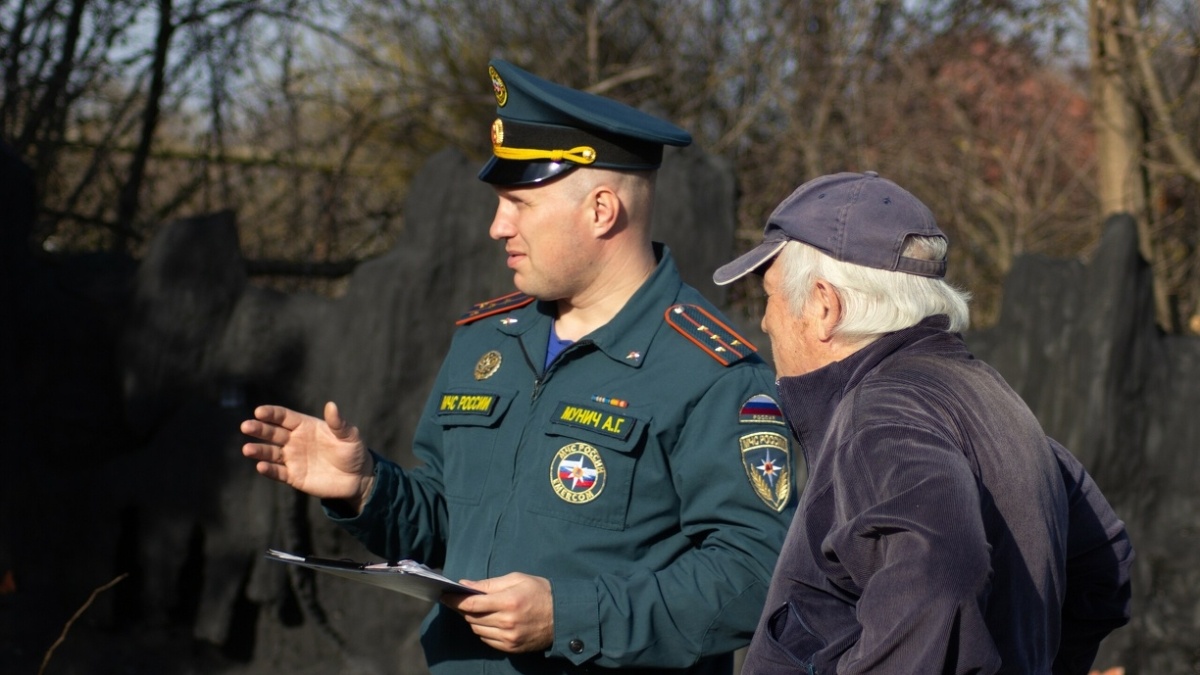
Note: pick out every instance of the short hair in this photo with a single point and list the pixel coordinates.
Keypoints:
(874, 301)
(636, 188)
(640, 183)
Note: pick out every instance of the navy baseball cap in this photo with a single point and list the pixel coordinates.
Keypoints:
(857, 218)
(544, 129)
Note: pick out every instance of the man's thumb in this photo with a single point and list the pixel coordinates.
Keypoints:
(337, 425)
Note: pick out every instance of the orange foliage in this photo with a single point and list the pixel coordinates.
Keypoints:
(1007, 95)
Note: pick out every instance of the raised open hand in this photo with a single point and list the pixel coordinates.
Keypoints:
(325, 458)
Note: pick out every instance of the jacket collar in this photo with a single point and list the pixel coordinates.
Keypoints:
(626, 338)
(810, 400)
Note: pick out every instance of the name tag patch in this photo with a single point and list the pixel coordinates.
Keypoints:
(476, 404)
(605, 422)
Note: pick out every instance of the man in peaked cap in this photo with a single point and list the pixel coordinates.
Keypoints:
(601, 454)
(543, 130)
(941, 530)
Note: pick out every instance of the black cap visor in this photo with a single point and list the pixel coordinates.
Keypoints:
(513, 172)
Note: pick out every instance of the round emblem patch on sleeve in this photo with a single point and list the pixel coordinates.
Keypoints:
(766, 456)
(577, 473)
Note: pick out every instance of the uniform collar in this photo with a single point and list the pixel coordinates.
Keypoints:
(809, 401)
(626, 338)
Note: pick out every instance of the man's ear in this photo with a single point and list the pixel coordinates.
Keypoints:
(827, 309)
(606, 207)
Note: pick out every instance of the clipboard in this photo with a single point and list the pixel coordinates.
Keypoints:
(405, 576)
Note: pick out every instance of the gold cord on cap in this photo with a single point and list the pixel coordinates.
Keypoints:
(580, 155)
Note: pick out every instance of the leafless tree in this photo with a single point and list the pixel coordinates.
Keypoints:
(308, 117)
(1145, 58)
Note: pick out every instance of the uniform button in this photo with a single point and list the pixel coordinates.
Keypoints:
(576, 646)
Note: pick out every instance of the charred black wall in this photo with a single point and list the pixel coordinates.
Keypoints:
(1079, 343)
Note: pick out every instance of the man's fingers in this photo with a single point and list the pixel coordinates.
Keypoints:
(272, 414)
(269, 424)
(462, 603)
(273, 471)
(504, 637)
(270, 433)
(264, 452)
(494, 584)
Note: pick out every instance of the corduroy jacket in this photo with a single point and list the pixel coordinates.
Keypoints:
(941, 530)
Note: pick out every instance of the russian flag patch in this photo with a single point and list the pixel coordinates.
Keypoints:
(761, 409)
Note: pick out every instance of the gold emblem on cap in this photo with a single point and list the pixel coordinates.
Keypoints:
(487, 365)
(497, 133)
(498, 87)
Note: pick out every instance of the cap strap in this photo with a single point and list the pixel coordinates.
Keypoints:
(580, 155)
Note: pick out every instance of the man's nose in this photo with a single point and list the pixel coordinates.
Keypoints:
(500, 228)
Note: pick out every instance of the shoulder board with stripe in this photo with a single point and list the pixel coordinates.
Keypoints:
(708, 333)
(504, 303)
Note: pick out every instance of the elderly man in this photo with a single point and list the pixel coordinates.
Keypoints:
(940, 531)
(600, 454)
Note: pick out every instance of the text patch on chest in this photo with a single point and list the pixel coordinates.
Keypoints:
(477, 404)
(594, 419)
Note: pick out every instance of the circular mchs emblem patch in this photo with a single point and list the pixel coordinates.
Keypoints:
(577, 473)
(487, 365)
(498, 87)
(497, 133)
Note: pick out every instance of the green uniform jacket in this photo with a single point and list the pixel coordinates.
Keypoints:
(641, 508)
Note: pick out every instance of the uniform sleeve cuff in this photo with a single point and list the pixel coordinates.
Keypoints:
(576, 620)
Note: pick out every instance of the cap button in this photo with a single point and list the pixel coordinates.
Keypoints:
(872, 174)
(576, 646)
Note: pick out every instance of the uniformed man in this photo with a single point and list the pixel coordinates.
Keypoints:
(601, 452)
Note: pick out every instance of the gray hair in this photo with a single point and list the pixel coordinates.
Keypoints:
(874, 301)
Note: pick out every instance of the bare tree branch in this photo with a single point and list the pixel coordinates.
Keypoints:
(127, 202)
(1187, 162)
(75, 617)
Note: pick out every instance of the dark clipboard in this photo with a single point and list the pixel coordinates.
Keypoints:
(405, 576)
